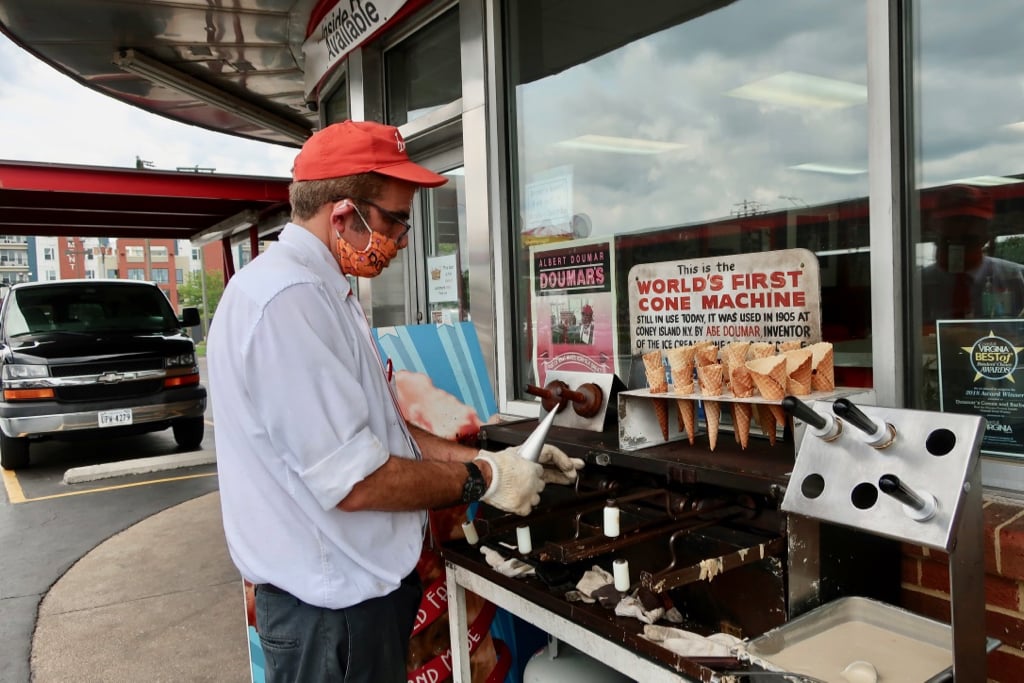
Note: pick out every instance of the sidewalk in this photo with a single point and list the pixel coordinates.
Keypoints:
(160, 601)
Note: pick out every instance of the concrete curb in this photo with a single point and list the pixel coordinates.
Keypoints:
(77, 475)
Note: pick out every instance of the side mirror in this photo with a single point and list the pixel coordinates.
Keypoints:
(190, 317)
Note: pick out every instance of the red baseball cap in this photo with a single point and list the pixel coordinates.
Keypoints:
(964, 200)
(351, 147)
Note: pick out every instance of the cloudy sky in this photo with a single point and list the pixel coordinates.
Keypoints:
(47, 117)
(765, 105)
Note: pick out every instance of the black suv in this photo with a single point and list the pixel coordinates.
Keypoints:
(95, 357)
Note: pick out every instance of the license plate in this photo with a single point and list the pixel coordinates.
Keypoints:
(115, 418)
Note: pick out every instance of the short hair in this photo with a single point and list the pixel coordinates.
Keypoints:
(307, 196)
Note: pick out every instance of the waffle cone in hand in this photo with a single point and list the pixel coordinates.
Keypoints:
(741, 413)
(660, 406)
(771, 378)
(710, 378)
(798, 366)
(766, 421)
(687, 410)
(680, 361)
(655, 370)
(823, 376)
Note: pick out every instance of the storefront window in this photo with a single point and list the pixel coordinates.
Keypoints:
(336, 105)
(424, 71)
(686, 130)
(966, 282)
(447, 264)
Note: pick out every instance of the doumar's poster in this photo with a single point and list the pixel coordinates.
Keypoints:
(980, 373)
(573, 307)
(773, 296)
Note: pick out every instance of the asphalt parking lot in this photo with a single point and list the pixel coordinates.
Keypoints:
(47, 524)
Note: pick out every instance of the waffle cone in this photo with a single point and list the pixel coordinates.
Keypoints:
(741, 413)
(682, 380)
(770, 376)
(661, 412)
(680, 361)
(761, 350)
(788, 346)
(707, 354)
(742, 383)
(734, 353)
(687, 410)
(823, 367)
(766, 421)
(798, 365)
(655, 370)
(713, 414)
(798, 388)
(711, 379)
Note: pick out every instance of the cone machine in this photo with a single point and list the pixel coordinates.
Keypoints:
(785, 544)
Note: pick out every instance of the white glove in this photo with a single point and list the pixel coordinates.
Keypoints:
(559, 468)
(516, 483)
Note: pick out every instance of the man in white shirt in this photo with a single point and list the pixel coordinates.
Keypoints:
(323, 485)
(965, 282)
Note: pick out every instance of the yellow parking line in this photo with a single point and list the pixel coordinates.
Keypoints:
(13, 486)
(22, 499)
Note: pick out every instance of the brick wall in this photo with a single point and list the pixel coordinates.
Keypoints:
(925, 585)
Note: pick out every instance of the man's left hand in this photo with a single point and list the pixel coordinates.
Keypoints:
(559, 468)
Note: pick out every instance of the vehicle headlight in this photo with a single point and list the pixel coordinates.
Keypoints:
(183, 360)
(15, 371)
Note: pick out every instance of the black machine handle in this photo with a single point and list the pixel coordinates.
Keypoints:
(893, 486)
(855, 416)
(799, 409)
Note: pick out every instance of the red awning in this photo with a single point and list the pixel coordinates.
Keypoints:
(94, 201)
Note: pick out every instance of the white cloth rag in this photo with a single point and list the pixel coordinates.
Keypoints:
(690, 644)
(510, 567)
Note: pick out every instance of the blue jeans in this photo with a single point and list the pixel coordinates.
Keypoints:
(364, 643)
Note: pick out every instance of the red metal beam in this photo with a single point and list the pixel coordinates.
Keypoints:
(16, 175)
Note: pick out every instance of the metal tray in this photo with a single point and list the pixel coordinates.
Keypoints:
(819, 643)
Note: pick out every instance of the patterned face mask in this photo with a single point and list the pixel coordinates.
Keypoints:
(371, 260)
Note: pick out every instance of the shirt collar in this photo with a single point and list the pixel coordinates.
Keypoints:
(315, 255)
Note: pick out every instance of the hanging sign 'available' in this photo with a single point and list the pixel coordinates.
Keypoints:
(344, 28)
(773, 297)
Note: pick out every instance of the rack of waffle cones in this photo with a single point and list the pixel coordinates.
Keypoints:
(751, 378)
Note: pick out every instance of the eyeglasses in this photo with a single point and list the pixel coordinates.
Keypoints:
(391, 216)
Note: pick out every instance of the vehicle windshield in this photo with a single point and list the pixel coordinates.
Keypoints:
(88, 308)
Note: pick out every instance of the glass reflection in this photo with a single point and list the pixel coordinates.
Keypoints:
(968, 235)
(696, 129)
(446, 250)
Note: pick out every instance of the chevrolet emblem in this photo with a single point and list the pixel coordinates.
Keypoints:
(110, 377)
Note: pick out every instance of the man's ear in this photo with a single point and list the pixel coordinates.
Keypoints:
(339, 212)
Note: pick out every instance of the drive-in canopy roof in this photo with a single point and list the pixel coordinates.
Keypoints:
(95, 201)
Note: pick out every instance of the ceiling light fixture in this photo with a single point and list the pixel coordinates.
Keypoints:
(829, 168)
(987, 180)
(607, 143)
(157, 72)
(795, 89)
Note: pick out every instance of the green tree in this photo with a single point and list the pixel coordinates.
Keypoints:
(1011, 249)
(190, 292)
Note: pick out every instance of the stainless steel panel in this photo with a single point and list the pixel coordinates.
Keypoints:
(847, 471)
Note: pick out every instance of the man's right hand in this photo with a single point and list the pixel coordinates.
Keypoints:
(516, 483)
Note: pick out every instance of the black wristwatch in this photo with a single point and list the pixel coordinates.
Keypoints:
(475, 485)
